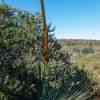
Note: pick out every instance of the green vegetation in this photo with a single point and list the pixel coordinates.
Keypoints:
(88, 50)
(23, 76)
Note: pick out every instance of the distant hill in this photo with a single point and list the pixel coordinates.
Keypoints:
(78, 41)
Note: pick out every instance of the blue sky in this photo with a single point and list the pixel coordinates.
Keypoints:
(72, 18)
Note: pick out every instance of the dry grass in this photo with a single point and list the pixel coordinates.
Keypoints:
(89, 62)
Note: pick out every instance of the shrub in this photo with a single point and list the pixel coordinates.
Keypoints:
(72, 85)
(17, 36)
(88, 50)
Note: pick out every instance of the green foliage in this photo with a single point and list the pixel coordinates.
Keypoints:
(23, 76)
(17, 38)
(74, 85)
(3, 96)
(88, 50)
